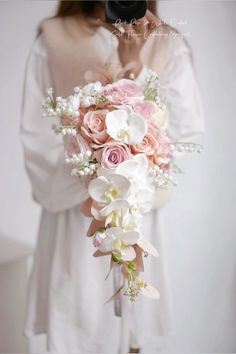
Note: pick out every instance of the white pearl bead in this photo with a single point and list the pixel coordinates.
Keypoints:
(81, 173)
(88, 153)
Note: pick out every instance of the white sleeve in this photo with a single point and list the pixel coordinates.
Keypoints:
(52, 185)
(186, 118)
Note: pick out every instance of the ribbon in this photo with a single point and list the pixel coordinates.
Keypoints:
(117, 285)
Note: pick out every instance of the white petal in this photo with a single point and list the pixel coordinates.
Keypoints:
(127, 168)
(113, 231)
(147, 247)
(142, 160)
(129, 237)
(115, 121)
(144, 199)
(128, 254)
(97, 188)
(95, 211)
(137, 128)
(150, 291)
(106, 244)
(126, 108)
(120, 205)
(121, 183)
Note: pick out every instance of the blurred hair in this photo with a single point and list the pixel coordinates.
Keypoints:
(69, 8)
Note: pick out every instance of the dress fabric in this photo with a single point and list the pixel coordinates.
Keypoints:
(67, 290)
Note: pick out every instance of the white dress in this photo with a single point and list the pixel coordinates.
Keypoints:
(67, 289)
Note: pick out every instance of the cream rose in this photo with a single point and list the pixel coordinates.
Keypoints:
(93, 127)
(147, 146)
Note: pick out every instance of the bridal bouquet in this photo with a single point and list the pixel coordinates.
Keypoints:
(116, 143)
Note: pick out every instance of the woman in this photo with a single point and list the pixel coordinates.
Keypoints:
(67, 289)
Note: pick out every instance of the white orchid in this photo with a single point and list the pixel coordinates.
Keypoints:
(131, 221)
(105, 189)
(125, 125)
(114, 212)
(109, 193)
(121, 241)
(141, 201)
(136, 171)
(117, 239)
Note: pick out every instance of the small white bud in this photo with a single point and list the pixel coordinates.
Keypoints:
(88, 153)
(80, 157)
(76, 89)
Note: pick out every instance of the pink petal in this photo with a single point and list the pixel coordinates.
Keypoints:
(95, 224)
(147, 247)
(85, 207)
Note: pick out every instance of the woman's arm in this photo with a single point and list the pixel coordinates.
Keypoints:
(52, 185)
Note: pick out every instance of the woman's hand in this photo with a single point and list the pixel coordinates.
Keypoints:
(132, 37)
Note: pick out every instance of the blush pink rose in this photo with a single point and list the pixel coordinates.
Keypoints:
(112, 154)
(144, 108)
(117, 95)
(163, 153)
(93, 127)
(151, 112)
(147, 146)
(129, 87)
(75, 144)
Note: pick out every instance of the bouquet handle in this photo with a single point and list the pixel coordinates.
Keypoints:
(117, 285)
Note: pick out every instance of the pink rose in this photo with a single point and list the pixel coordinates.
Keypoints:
(122, 91)
(144, 108)
(75, 144)
(151, 112)
(148, 146)
(129, 87)
(93, 127)
(163, 153)
(112, 154)
(117, 95)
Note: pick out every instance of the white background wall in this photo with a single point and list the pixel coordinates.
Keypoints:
(200, 220)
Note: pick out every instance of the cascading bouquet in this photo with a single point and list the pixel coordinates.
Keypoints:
(116, 143)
